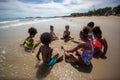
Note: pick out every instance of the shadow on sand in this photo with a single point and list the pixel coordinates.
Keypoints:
(27, 49)
(82, 68)
(42, 71)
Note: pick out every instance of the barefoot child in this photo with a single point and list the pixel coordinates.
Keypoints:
(100, 43)
(83, 52)
(66, 34)
(47, 51)
(29, 42)
(53, 35)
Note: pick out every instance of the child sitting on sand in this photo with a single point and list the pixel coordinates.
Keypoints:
(66, 35)
(100, 43)
(83, 52)
(47, 51)
(29, 42)
(53, 35)
(90, 26)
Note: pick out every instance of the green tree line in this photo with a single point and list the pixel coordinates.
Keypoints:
(100, 12)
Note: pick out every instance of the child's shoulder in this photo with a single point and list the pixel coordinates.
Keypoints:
(103, 39)
(83, 43)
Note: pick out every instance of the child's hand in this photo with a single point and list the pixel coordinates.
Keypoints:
(37, 64)
(21, 45)
(33, 51)
(63, 49)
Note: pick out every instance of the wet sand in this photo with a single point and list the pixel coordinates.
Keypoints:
(16, 64)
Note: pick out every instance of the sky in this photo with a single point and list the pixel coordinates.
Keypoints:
(47, 8)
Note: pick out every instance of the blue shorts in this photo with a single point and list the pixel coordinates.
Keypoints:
(52, 62)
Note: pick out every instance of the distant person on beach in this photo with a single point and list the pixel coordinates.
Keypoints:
(66, 35)
(29, 42)
(100, 43)
(83, 52)
(90, 26)
(53, 35)
(47, 51)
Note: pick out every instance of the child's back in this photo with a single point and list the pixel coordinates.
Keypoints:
(46, 53)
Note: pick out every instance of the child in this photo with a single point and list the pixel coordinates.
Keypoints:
(66, 34)
(29, 42)
(90, 26)
(46, 51)
(100, 43)
(83, 52)
(53, 35)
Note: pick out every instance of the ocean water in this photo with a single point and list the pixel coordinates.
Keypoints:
(7, 23)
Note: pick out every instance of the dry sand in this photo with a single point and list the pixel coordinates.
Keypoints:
(16, 64)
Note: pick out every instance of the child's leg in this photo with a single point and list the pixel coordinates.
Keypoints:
(96, 50)
(97, 53)
(60, 59)
(67, 55)
(71, 38)
(56, 55)
(77, 58)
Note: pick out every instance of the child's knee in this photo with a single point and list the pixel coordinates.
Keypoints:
(56, 55)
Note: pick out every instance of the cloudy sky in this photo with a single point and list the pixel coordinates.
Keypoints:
(45, 8)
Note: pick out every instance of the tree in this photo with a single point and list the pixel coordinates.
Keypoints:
(116, 10)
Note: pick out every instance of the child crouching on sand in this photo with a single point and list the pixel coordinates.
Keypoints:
(100, 43)
(47, 51)
(29, 42)
(83, 52)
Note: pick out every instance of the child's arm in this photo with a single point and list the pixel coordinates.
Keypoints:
(38, 54)
(75, 41)
(55, 36)
(82, 45)
(23, 42)
(69, 33)
(105, 46)
(64, 34)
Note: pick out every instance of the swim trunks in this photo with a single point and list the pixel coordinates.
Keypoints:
(52, 62)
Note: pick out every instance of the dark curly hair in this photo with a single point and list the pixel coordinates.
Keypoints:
(45, 38)
(84, 32)
(67, 26)
(96, 30)
(91, 24)
(51, 27)
(32, 31)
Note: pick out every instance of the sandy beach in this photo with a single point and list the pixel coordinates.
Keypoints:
(16, 64)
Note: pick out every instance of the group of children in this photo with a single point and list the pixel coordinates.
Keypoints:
(81, 54)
